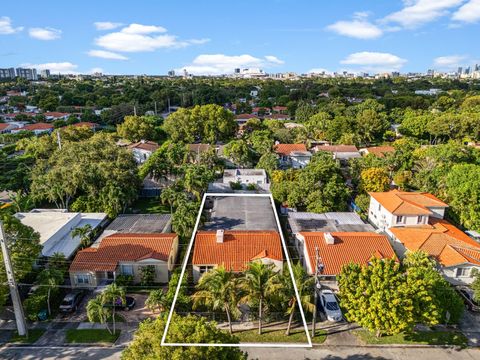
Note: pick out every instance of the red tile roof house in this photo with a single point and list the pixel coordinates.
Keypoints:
(234, 250)
(414, 221)
(341, 248)
(38, 128)
(54, 115)
(125, 254)
(142, 150)
(293, 155)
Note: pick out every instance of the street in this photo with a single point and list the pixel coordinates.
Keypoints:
(323, 352)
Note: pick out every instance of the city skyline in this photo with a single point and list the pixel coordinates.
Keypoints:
(214, 38)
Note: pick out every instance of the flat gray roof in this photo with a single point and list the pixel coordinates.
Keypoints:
(327, 222)
(140, 223)
(240, 213)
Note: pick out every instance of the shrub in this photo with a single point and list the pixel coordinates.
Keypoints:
(34, 304)
(124, 280)
(236, 185)
(147, 275)
(251, 187)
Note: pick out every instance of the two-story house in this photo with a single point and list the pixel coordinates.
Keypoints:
(293, 155)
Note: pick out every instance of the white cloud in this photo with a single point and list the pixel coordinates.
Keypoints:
(45, 33)
(6, 27)
(106, 25)
(106, 55)
(419, 12)
(55, 68)
(375, 61)
(469, 12)
(217, 64)
(141, 38)
(359, 29)
(450, 62)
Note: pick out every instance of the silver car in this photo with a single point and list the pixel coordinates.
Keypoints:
(330, 306)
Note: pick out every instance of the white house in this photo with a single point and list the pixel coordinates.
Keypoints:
(37, 129)
(55, 228)
(245, 176)
(142, 150)
(340, 152)
(293, 155)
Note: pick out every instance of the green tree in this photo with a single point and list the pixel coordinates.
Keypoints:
(58, 261)
(476, 287)
(136, 128)
(85, 235)
(50, 279)
(184, 218)
(111, 296)
(259, 284)
(268, 161)
(238, 152)
(217, 290)
(97, 311)
(305, 287)
(182, 329)
(261, 141)
(374, 179)
(197, 178)
(157, 300)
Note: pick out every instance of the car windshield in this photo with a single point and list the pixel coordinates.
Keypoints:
(331, 305)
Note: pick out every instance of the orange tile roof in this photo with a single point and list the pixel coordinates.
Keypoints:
(357, 247)
(37, 126)
(85, 123)
(380, 151)
(287, 149)
(3, 126)
(145, 145)
(238, 248)
(407, 203)
(448, 244)
(336, 148)
(123, 247)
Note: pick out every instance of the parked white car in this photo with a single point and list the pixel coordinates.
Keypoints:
(330, 306)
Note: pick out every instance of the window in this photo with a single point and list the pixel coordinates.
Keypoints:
(126, 269)
(83, 279)
(399, 219)
(463, 272)
(379, 207)
(206, 268)
(420, 219)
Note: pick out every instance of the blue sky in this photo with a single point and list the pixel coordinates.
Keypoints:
(213, 37)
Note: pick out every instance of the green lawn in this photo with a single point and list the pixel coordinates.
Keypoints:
(91, 336)
(418, 337)
(149, 206)
(278, 336)
(33, 335)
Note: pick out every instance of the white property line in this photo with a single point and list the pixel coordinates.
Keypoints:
(184, 267)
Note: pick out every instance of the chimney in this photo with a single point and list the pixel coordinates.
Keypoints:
(220, 236)
(329, 239)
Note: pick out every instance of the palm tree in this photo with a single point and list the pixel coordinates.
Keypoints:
(96, 310)
(259, 284)
(304, 285)
(58, 261)
(84, 233)
(50, 278)
(184, 218)
(156, 300)
(111, 295)
(218, 289)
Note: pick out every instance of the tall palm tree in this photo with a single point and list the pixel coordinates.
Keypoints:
(50, 278)
(304, 285)
(217, 289)
(111, 295)
(157, 300)
(84, 233)
(259, 284)
(96, 310)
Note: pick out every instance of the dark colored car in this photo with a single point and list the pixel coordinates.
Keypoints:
(127, 305)
(71, 301)
(467, 296)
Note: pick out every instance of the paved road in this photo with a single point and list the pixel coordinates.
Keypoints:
(328, 353)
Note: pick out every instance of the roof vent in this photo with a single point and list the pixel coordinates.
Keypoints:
(220, 236)
(329, 239)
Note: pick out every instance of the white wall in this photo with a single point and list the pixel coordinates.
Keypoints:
(299, 162)
(141, 155)
(450, 274)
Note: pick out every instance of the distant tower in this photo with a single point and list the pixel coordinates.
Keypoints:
(185, 73)
(171, 73)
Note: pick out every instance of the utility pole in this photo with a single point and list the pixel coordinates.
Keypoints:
(168, 105)
(59, 140)
(317, 286)
(17, 303)
(155, 108)
(134, 110)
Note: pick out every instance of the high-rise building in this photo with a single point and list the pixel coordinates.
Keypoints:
(467, 70)
(7, 73)
(477, 67)
(171, 73)
(29, 74)
(45, 73)
(459, 70)
(237, 71)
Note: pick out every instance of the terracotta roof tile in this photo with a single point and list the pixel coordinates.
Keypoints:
(337, 148)
(86, 123)
(407, 203)
(380, 151)
(448, 244)
(238, 248)
(357, 247)
(37, 126)
(123, 247)
(144, 145)
(287, 149)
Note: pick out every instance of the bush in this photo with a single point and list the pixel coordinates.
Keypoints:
(34, 304)
(251, 187)
(236, 185)
(147, 275)
(124, 280)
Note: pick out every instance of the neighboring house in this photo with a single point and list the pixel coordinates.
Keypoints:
(299, 222)
(90, 125)
(125, 254)
(456, 253)
(54, 115)
(280, 109)
(278, 116)
(142, 150)
(340, 152)
(293, 155)
(400, 208)
(378, 151)
(55, 228)
(197, 150)
(5, 128)
(341, 248)
(243, 118)
(37, 129)
(235, 250)
(245, 176)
